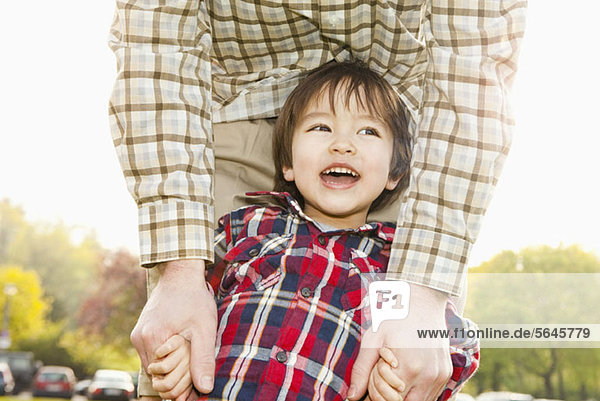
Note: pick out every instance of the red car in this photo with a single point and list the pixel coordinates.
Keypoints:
(54, 381)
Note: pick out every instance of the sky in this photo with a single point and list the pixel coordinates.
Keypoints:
(58, 164)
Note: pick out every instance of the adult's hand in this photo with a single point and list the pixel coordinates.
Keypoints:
(180, 304)
(423, 364)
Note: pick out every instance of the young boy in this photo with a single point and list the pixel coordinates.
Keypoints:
(291, 277)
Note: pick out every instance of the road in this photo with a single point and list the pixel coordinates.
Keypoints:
(26, 396)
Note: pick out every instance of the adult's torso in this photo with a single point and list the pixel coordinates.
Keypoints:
(261, 48)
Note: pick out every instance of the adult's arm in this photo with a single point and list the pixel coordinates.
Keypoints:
(161, 127)
(160, 115)
(463, 138)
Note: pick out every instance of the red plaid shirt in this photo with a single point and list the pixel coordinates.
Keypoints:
(289, 304)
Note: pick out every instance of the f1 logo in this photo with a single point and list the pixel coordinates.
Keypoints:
(389, 300)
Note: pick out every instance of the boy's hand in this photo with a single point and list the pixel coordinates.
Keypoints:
(171, 370)
(384, 385)
(423, 364)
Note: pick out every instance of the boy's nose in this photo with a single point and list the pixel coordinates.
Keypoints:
(342, 145)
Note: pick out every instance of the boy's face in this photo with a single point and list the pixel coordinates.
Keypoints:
(340, 162)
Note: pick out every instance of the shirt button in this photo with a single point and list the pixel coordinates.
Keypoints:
(281, 356)
(306, 292)
(253, 252)
(334, 20)
(322, 240)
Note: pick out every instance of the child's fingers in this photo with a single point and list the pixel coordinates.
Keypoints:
(379, 388)
(181, 388)
(169, 346)
(164, 366)
(185, 395)
(180, 391)
(387, 374)
(387, 355)
(169, 362)
(372, 392)
(373, 389)
(169, 381)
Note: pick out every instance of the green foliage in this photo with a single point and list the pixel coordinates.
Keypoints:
(47, 347)
(76, 303)
(49, 251)
(27, 308)
(539, 291)
(542, 259)
(92, 352)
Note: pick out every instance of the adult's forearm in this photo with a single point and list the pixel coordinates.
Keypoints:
(161, 124)
(463, 137)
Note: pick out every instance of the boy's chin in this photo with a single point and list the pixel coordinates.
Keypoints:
(344, 212)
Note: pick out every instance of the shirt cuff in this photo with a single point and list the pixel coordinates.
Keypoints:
(429, 258)
(175, 229)
(145, 385)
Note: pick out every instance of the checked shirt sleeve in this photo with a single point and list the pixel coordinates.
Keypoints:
(463, 137)
(222, 245)
(161, 123)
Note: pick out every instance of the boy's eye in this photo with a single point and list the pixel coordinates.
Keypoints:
(368, 131)
(320, 127)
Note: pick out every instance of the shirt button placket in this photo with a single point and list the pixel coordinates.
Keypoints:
(306, 292)
(322, 241)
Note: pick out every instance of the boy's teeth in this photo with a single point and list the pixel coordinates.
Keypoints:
(340, 170)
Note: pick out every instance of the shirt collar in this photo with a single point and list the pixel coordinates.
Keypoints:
(384, 231)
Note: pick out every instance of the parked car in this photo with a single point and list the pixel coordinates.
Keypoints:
(54, 381)
(135, 377)
(81, 386)
(504, 396)
(7, 382)
(463, 397)
(110, 384)
(22, 366)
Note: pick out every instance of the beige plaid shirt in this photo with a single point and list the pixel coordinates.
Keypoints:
(185, 64)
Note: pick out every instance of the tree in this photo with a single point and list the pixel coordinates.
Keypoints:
(113, 307)
(12, 222)
(537, 292)
(28, 307)
(65, 269)
(90, 301)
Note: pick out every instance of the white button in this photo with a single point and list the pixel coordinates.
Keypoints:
(333, 20)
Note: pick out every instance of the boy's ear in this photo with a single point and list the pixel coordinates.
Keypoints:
(288, 173)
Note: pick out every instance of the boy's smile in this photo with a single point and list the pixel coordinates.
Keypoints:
(340, 161)
(339, 176)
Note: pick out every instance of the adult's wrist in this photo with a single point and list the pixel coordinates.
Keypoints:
(191, 269)
(422, 296)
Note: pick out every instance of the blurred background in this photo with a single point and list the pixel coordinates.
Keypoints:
(70, 285)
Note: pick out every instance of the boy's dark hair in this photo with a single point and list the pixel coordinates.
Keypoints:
(355, 79)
